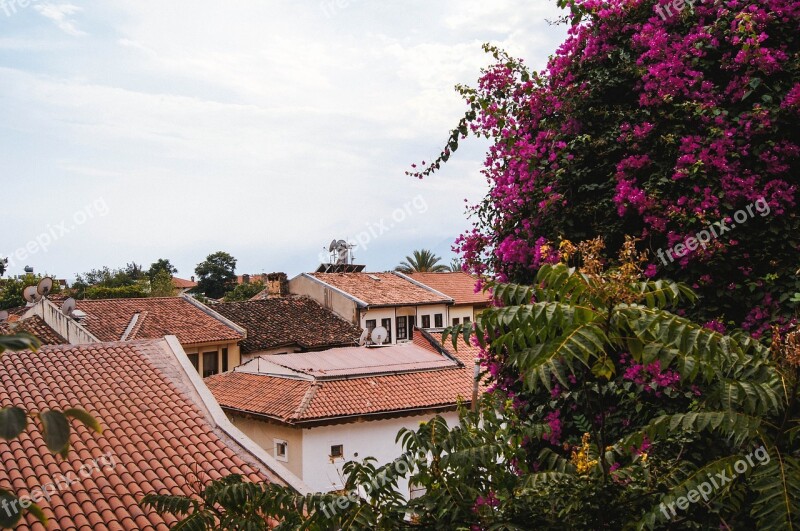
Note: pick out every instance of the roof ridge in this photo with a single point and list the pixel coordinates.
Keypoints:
(307, 399)
(139, 324)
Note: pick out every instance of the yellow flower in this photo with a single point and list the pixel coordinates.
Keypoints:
(580, 458)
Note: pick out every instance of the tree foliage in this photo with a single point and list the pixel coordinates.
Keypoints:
(162, 264)
(245, 292)
(655, 127)
(11, 290)
(421, 261)
(216, 275)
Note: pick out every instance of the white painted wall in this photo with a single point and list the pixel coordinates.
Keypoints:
(461, 311)
(367, 439)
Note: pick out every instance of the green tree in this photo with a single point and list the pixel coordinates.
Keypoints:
(162, 264)
(55, 429)
(245, 292)
(421, 261)
(161, 285)
(130, 275)
(233, 504)
(3, 266)
(216, 275)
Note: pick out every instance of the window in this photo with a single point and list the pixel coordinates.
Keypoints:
(456, 320)
(387, 324)
(194, 359)
(426, 321)
(371, 325)
(210, 365)
(437, 320)
(412, 322)
(337, 451)
(281, 449)
(225, 359)
(467, 320)
(402, 327)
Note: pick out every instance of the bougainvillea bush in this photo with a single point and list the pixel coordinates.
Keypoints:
(653, 126)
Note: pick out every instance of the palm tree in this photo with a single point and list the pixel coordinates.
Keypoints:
(421, 261)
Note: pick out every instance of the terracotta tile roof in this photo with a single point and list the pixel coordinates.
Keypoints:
(35, 326)
(154, 440)
(182, 283)
(458, 285)
(108, 319)
(381, 289)
(293, 401)
(277, 322)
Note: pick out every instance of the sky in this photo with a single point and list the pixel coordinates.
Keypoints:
(132, 131)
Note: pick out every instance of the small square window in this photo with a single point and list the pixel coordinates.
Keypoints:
(467, 320)
(426, 321)
(456, 321)
(281, 450)
(337, 450)
(437, 320)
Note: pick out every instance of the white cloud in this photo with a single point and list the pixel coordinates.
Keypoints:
(60, 14)
(262, 129)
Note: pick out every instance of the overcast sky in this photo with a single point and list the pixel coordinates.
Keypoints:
(131, 131)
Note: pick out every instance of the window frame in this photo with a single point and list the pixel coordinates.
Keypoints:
(402, 331)
(277, 443)
(438, 320)
(426, 321)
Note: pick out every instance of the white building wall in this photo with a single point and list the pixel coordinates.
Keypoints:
(459, 312)
(363, 439)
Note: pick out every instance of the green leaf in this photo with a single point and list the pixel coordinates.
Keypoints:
(21, 341)
(55, 430)
(85, 418)
(13, 421)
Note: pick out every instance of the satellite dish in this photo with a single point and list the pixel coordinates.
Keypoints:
(31, 295)
(3, 316)
(379, 335)
(68, 307)
(363, 339)
(332, 246)
(45, 286)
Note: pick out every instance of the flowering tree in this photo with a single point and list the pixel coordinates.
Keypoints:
(659, 123)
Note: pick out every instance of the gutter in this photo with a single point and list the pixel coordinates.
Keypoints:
(221, 421)
(344, 418)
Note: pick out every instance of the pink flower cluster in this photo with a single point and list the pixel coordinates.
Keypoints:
(649, 376)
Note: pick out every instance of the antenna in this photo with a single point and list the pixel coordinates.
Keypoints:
(3, 316)
(379, 335)
(31, 295)
(363, 339)
(45, 286)
(68, 307)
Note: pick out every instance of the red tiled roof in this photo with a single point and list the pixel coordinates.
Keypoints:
(158, 316)
(182, 283)
(154, 440)
(35, 326)
(458, 285)
(277, 322)
(295, 401)
(381, 289)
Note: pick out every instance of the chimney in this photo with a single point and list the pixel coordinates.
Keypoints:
(277, 285)
(245, 279)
